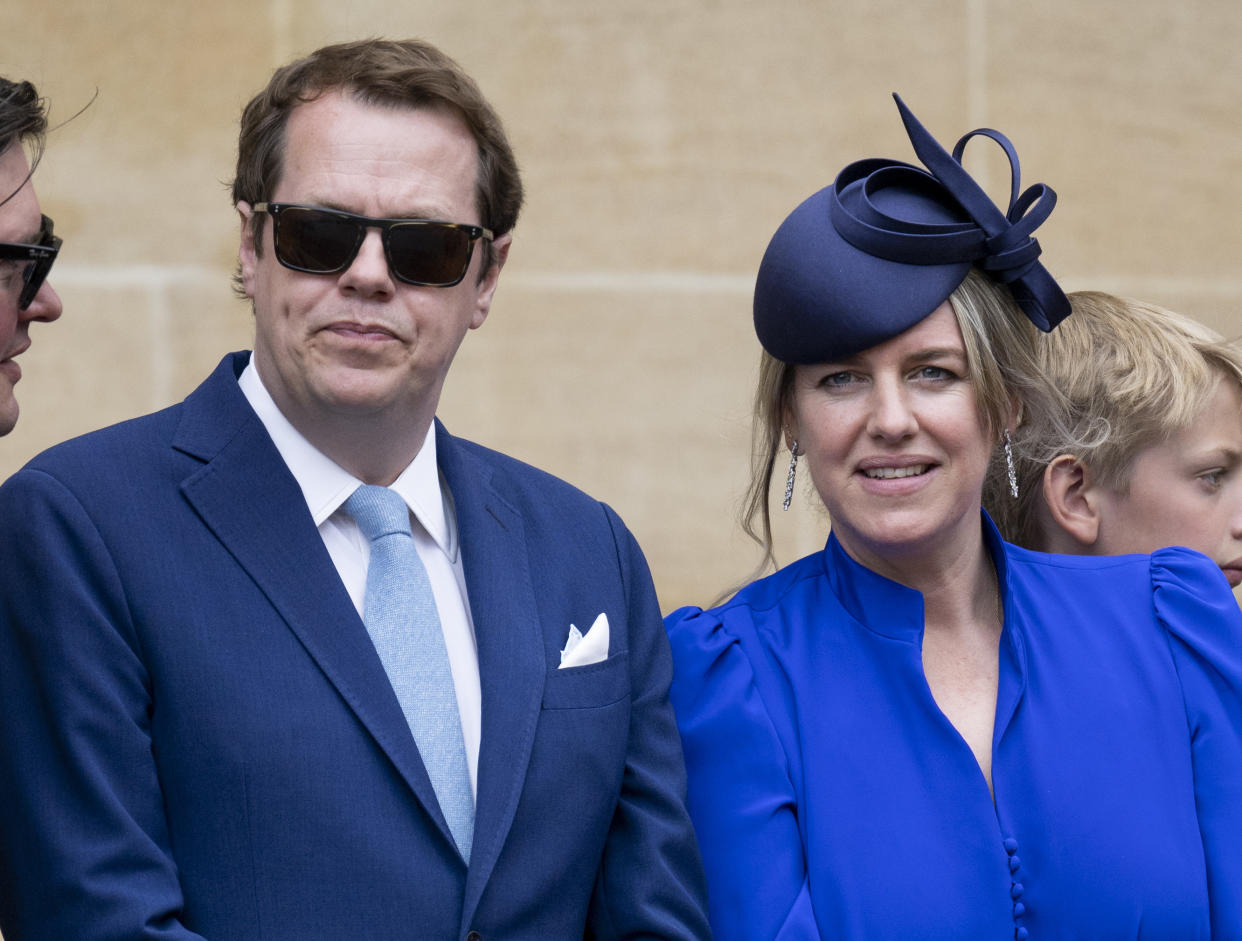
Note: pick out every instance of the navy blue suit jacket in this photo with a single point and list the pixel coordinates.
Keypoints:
(198, 739)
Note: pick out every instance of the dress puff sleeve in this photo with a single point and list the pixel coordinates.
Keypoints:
(741, 793)
(1204, 626)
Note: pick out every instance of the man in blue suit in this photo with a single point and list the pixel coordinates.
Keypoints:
(211, 726)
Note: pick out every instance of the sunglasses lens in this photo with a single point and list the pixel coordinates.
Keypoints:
(33, 277)
(314, 241)
(36, 271)
(429, 253)
(318, 241)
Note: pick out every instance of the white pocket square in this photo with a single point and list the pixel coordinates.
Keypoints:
(584, 649)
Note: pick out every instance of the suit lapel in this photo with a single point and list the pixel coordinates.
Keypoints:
(234, 493)
(512, 663)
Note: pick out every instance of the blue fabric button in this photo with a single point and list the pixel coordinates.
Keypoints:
(1021, 934)
(1011, 845)
(1014, 863)
(1018, 909)
(1016, 890)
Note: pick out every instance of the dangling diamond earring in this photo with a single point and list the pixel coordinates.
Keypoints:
(1013, 473)
(789, 478)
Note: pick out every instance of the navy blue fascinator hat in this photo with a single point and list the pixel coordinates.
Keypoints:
(870, 256)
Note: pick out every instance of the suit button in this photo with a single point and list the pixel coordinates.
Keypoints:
(474, 936)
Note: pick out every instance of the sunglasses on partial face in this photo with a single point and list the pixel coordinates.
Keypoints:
(326, 241)
(38, 257)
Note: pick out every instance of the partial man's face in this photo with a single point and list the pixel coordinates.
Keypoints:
(20, 222)
(362, 343)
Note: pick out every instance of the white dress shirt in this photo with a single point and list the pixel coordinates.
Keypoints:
(326, 485)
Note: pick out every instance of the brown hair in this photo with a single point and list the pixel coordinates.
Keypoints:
(23, 118)
(406, 73)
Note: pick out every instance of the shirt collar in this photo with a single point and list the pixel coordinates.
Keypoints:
(326, 485)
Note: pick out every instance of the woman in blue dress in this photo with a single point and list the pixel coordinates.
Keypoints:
(923, 731)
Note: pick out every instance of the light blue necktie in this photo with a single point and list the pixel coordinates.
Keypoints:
(400, 615)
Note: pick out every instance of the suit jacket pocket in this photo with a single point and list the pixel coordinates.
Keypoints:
(589, 687)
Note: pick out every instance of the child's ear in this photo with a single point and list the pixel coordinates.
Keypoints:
(1071, 494)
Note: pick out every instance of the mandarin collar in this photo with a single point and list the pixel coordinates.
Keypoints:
(893, 610)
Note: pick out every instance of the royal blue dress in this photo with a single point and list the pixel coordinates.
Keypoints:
(834, 800)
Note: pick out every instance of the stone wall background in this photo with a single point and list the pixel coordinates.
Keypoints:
(661, 143)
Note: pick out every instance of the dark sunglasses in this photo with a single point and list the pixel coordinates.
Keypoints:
(326, 241)
(40, 257)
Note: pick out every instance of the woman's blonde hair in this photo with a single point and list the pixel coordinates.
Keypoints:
(1125, 375)
(998, 339)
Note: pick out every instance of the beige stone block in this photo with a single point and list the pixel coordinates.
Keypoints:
(204, 321)
(140, 177)
(682, 141)
(1130, 112)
